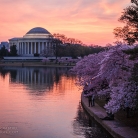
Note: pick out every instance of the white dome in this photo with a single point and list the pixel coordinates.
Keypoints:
(38, 32)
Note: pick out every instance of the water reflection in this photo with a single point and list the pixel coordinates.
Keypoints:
(85, 125)
(42, 103)
(37, 79)
(3, 72)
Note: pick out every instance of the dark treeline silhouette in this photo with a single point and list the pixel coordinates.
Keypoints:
(129, 33)
(74, 47)
(6, 52)
(77, 50)
(66, 40)
(3, 72)
(63, 47)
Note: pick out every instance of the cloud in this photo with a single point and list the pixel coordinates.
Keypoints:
(86, 17)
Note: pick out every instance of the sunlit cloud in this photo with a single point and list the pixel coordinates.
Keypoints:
(87, 20)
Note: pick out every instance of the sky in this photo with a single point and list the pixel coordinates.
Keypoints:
(91, 21)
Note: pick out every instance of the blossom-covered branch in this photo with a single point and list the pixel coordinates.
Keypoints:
(109, 73)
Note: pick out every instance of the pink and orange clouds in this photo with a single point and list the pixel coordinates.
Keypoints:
(91, 21)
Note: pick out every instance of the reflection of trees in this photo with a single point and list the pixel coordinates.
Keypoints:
(3, 72)
(57, 75)
(86, 126)
(13, 74)
(37, 79)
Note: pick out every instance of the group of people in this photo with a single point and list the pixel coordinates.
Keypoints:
(91, 98)
(91, 102)
(110, 116)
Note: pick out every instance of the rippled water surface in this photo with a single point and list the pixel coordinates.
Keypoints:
(43, 103)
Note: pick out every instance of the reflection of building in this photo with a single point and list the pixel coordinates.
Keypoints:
(34, 41)
(34, 76)
(37, 78)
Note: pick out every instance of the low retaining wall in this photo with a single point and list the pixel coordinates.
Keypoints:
(114, 127)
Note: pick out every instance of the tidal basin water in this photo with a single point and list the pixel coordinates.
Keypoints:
(43, 103)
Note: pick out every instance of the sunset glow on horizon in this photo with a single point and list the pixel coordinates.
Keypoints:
(91, 21)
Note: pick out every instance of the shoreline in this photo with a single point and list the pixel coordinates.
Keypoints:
(114, 127)
(33, 64)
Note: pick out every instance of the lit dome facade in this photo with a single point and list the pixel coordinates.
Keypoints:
(34, 41)
(38, 32)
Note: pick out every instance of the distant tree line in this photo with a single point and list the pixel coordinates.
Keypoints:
(66, 40)
(6, 52)
(64, 47)
(75, 51)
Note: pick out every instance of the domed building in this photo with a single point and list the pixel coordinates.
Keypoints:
(33, 42)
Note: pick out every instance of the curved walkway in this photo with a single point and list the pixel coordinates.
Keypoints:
(115, 128)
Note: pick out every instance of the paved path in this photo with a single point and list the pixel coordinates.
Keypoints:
(115, 128)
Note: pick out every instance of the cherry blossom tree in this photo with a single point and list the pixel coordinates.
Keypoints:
(109, 73)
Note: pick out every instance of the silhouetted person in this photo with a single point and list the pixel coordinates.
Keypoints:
(90, 100)
(109, 116)
(93, 100)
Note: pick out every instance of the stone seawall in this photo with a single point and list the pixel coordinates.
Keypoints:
(114, 127)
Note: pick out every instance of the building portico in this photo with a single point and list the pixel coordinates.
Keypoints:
(34, 41)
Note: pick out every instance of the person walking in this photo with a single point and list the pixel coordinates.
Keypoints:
(93, 100)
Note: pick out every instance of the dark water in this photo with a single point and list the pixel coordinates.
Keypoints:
(43, 103)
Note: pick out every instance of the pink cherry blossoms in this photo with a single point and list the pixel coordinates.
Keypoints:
(109, 74)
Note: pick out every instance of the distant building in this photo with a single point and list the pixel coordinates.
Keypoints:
(33, 42)
(5, 44)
